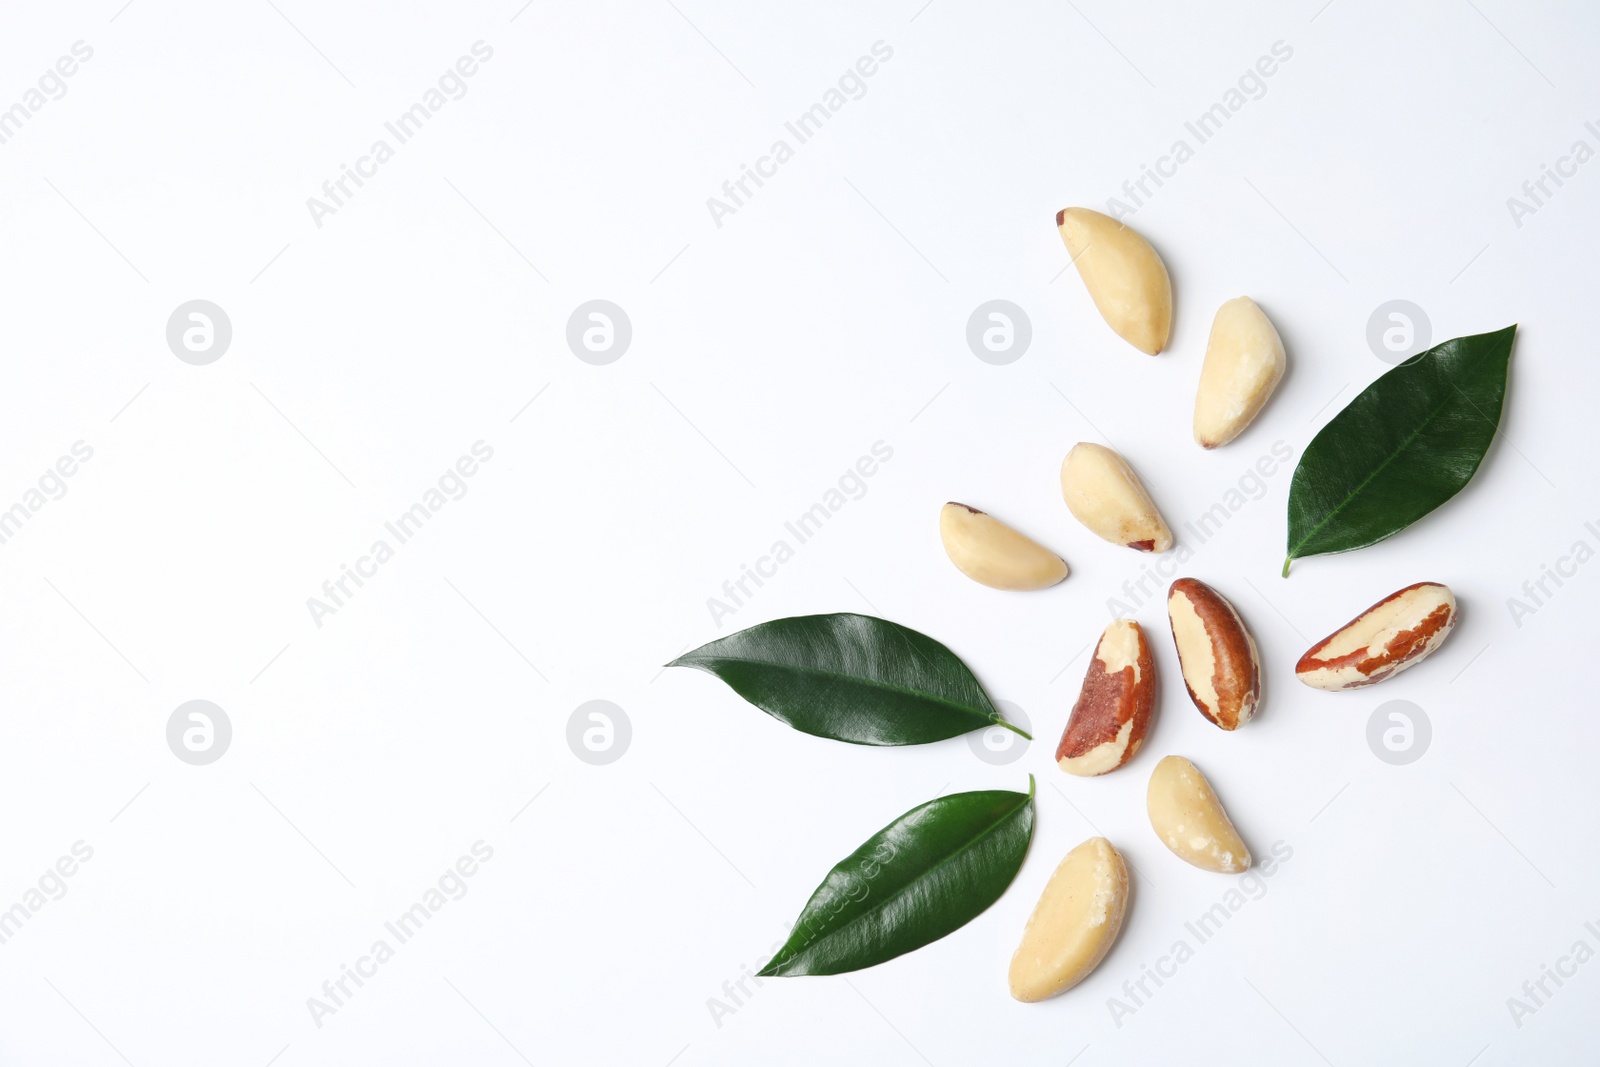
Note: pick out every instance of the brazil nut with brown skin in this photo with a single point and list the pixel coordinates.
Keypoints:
(1108, 722)
(1221, 666)
(1393, 635)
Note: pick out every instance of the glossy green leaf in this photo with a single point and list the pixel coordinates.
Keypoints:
(927, 874)
(1407, 444)
(852, 678)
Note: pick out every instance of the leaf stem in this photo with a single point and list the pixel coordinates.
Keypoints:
(1286, 561)
(998, 721)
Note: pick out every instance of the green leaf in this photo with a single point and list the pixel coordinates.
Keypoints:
(852, 678)
(927, 874)
(1407, 444)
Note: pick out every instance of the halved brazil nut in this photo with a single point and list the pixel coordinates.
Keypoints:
(1221, 666)
(1243, 365)
(1396, 633)
(1123, 274)
(1104, 494)
(1073, 925)
(1108, 722)
(1186, 814)
(988, 551)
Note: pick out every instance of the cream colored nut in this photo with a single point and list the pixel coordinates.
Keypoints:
(1108, 722)
(1397, 632)
(1244, 363)
(1221, 666)
(1074, 923)
(988, 551)
(1104, 494)
(1123, 274)
(1189, 819)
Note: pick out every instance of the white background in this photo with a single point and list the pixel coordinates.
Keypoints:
(826, 314)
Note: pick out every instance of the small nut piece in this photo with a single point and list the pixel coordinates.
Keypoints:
(1220, 663)
(1244, 363)
(1123, 274)
(988, 551)
(1108, 722)
(1395, 633)
(1073, 925)
(1189, 819)
(1104, 494)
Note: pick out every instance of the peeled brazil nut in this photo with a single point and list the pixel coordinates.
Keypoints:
(988, 551)
(1104, 494)
(1186, 815)
(1243, 365)
(1123, 274)
(1108, 723)
(1395, 633)
(1221, 666)
(1073, 925)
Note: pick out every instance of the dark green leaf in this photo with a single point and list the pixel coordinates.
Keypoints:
(852, 678)
(927, 874)
(1407, 444)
